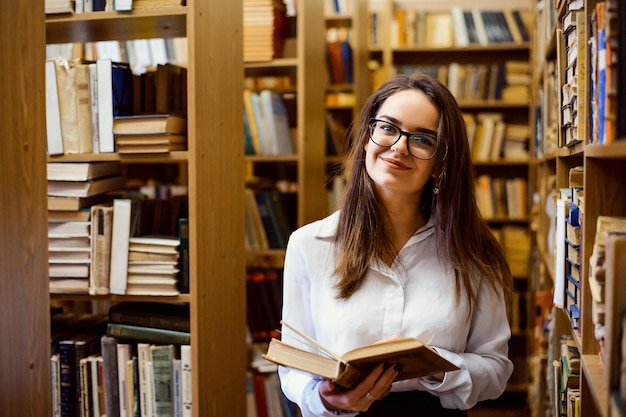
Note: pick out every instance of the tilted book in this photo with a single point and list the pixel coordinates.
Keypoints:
(415, 359)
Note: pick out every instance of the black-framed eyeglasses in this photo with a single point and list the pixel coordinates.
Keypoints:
(421, 145)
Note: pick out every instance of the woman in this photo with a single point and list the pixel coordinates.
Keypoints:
(407, 255)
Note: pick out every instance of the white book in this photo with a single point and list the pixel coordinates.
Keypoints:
(95, 393)
(461, 38)
(123, 355)
(104, 68)
(54, 136)
(277, 123)
(93, 96)
(158, 51)
(559, 256)
(145, 379)
(120, 235)
(185, 364)
(481, 33)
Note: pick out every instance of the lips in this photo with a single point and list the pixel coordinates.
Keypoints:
(394, 163)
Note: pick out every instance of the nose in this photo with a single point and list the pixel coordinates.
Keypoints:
(401, 146)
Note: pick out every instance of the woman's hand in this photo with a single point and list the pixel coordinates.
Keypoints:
(376, 386)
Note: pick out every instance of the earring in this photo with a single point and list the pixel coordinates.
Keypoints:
(436, 189)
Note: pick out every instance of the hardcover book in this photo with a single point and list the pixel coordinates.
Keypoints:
(415, 358)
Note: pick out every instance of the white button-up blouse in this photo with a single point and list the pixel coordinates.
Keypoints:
(415, 297)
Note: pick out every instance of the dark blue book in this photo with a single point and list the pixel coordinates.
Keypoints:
(521, 26)
(346, 57)
(471, 27)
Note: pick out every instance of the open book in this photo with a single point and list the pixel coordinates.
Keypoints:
(415, 358)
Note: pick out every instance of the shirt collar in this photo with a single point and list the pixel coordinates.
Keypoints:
(327, 227)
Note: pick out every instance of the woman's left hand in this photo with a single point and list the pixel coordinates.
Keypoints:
(374, 387)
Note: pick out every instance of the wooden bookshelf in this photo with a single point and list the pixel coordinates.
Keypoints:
(604, 176)
(215, 168)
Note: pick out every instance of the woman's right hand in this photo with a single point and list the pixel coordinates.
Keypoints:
(374, 387)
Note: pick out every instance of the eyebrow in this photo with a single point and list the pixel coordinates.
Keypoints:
(397, 122)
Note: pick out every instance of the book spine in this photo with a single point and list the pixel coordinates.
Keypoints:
(183, 266)
(185, 364)
(111, 387)
(147, 334)
(161, 358)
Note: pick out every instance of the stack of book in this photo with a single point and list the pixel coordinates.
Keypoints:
(153, 265)
(267, 122)
(76, 185)
(69, 256)
(264, 26)
(150, 322)
(150, 133)
(72, 188)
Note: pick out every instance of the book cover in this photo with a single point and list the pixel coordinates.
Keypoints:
(84, 189)
(81, 171)
(152, 123)
(111, 383)
(123, 355)
(161, 357)
(66, 85)
(185, 365)
(101, 233)
(54, 136)
(151, 314)
(415, 358)
(83, 108)
(120, 235)
(277, 123)
(148, 334)
(145, 379)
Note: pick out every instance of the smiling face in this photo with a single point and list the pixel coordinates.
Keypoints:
(393, 169)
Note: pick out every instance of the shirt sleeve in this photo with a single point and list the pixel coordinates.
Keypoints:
(300, 387)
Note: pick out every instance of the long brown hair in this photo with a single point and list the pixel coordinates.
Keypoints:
(462, 236)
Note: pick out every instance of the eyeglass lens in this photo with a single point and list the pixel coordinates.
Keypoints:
(420, 144)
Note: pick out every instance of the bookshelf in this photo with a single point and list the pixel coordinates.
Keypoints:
(25, 354)
(603, 180)
(396, 45)
(213, 166)
(300, 176)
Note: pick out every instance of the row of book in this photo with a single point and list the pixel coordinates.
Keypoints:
(88, 6)
(264, 303)
(83, 99)
(515, 242)
(491, 138)
(568, 218)
(455, 27)
(604, 50)
(567, 378)
(146, 372)
(112, 240)
(270, 218)
(339, 58)
(501, 197)
(573, 48)
(264, 30)
(141, 54)
(508, 81)
(265, 398)
(267, 123)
